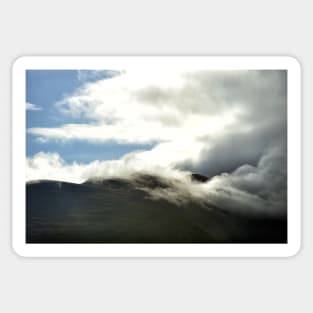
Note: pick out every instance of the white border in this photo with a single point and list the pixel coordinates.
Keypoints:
(157, 250)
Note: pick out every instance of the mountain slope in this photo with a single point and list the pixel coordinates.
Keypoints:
(116, 211)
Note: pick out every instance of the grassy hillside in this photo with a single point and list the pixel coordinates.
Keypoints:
(115, 211)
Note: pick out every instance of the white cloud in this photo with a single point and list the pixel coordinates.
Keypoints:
(94, 75)
(249, 189)
(140, 131)
(32, 107)
(144, 108)
(51, 166)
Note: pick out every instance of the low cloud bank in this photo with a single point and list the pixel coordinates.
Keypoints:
(260, 189)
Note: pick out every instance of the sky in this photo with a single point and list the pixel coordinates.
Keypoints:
(228, 125)
(44, 89)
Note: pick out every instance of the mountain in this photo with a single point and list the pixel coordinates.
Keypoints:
(199, 178)
(123, 211)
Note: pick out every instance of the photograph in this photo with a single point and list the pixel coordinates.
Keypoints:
(118, 156)
(156, 156)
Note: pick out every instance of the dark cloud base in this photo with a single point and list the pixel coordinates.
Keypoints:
(116, 211)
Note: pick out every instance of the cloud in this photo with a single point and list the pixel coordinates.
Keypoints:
(51, 166)
(32, 107)
(209, 121)
(94, 75)
(154, 107)
(142, 108)
(259, 189)
(248, 189)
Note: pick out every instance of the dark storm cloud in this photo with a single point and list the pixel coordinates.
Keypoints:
(262, 97)
(232, 150)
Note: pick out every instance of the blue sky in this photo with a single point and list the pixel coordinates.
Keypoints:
(44, 88)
